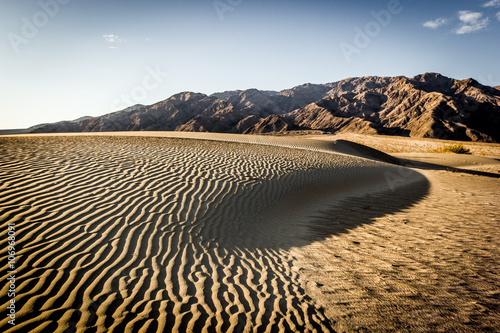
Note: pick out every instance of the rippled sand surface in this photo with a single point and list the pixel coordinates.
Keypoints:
(176, 233)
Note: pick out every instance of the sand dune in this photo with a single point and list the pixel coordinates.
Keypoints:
(148, 234)
(430, 267)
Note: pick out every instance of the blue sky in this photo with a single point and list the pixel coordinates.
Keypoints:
(63, 59)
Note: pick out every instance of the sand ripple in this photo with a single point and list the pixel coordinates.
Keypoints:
(120, 234)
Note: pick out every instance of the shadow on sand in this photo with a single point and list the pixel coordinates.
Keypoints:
(432, 166)
(353, 212)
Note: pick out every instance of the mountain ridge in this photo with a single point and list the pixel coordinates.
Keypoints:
(429, 105)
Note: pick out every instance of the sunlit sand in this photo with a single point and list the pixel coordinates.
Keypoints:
(157, 232)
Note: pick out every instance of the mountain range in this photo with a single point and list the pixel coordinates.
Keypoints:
(425, 106)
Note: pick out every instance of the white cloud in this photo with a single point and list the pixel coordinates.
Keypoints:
(492, 3)
(498, 16)
(436, 23)
(113, 38)
(469, 17)
(471, 22)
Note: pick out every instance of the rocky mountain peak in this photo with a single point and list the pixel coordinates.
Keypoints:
(187, 96)
(433, 82)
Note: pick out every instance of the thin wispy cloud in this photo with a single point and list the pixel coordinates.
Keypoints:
(111, 38)
(436, 23)
(498, 16)
(471, 22)
(492, 3)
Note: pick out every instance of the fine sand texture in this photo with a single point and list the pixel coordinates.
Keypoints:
(198, 232)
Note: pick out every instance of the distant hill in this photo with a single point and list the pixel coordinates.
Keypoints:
(426, 106)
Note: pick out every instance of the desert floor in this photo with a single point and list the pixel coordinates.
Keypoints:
(157, 232)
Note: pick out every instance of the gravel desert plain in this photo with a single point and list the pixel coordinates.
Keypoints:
(204, 232)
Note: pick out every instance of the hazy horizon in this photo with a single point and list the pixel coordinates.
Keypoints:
(67, 59)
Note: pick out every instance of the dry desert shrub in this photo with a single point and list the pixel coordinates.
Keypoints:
(457, 149)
